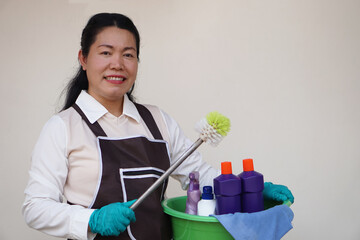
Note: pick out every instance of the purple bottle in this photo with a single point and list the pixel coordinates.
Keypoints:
(193, 194)
(252, 184)
(227, 189)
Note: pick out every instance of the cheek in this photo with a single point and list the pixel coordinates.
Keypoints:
(95, 72)
(134, 69)
(97, 65)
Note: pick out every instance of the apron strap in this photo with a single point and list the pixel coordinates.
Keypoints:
(149, 121)
(95, 127)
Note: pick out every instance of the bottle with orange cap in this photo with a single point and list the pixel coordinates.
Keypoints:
(227, 189)
(252, 184)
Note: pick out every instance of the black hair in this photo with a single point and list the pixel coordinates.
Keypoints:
(94, 26)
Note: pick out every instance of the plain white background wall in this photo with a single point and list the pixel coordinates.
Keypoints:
(287, 74)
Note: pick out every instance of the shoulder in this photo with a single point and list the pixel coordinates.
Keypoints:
(54, 123)
(160, 115)
(168, 126)
(61, 122)
(71, 119)
(155, 110)
(68, 115)
(55, 126)
(52, 136)
(57, 131)
(162, 120)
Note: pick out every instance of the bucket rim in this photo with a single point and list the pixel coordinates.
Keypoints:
(182, 215)
(168, 210)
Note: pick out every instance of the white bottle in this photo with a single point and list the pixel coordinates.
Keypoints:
(206, 206)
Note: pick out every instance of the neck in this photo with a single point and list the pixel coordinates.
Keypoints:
(115, 107)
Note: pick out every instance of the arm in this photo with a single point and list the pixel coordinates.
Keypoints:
(43, 208)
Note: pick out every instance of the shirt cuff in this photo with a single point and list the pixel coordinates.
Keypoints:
(80, 223)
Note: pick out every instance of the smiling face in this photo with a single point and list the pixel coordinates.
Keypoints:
(111, 65)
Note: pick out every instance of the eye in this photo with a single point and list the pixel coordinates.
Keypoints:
(105, 53)
(128, 55)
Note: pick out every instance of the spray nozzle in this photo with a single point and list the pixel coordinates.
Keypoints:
(194, 180)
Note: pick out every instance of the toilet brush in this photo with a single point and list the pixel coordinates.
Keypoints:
(212, 129)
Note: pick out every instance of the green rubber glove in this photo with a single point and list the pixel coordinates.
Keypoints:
(112, 219)
(276, 192)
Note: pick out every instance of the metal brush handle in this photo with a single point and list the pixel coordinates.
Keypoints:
(166, 174)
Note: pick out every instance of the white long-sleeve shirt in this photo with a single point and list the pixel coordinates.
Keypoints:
(65, 162)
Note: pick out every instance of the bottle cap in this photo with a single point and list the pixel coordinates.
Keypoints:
(226, 168)
(248, 165)
(207, 193)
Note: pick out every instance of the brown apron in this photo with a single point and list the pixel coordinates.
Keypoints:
(128, 167)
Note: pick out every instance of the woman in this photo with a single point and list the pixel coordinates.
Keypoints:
(103, 149)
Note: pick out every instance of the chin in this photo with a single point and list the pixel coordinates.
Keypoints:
(116, 95)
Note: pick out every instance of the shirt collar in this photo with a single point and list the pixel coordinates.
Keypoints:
(93, 110)
(130, 110)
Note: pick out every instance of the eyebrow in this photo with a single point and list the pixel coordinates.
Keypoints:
(112, 47)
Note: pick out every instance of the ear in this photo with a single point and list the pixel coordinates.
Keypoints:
(82, 60)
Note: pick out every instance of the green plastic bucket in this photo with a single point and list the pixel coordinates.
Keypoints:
(187, 226)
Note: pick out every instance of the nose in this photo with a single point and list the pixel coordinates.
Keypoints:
(117, 62)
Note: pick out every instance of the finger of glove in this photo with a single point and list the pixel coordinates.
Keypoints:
(129, 213)
(279, 197)
(288, 194)
(113, 223)
(123, 215)
(121, 224)
(291, 197)
(128, 204)
(126, 213)
(110, 231)
(123, 227)
(107, 218)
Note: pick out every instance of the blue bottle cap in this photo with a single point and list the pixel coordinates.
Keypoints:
(207, 193)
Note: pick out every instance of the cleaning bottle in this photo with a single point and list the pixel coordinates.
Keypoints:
(252, 184)
(206, 206)
(193, 193)
(227, 189)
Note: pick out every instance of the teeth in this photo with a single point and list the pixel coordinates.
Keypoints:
(115, 78)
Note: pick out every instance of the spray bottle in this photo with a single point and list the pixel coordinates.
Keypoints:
(206, 206)
(252, 184)
(193, 193)
(227, 189)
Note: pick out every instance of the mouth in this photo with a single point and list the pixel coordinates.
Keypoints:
(115, 79)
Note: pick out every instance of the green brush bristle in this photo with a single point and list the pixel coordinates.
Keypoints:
(219, 122)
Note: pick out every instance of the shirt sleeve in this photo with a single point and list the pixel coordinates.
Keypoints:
(179, 144)
(43, 208)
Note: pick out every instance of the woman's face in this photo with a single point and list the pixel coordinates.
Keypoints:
(111, 65)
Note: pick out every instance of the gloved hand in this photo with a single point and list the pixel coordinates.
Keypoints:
(112, 219)
(277, 192)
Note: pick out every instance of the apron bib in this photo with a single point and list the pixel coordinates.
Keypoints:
(128, 167)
